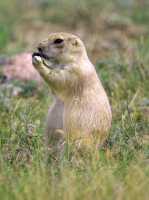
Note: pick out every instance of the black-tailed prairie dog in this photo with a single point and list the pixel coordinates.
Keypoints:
(81, 109)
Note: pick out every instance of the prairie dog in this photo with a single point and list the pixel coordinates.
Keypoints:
(83, 105)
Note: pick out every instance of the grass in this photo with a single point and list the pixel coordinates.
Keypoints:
(118, 172)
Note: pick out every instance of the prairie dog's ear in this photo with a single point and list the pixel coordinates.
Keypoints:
(75, 42)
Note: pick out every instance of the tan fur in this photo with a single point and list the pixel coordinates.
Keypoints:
(85, 110)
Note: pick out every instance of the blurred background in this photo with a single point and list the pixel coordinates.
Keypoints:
(105, 26)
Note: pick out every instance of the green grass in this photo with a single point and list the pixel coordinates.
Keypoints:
(119, 172)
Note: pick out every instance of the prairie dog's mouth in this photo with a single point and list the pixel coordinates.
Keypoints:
(45, 59)
(40, 54)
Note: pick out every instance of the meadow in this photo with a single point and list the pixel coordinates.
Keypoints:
(116, 37)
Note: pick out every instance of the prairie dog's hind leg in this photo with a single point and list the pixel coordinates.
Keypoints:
(54, 127)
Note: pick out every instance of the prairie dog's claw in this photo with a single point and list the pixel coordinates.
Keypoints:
(36, 60)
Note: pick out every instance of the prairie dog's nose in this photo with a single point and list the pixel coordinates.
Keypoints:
(40, 49)
(42, 46)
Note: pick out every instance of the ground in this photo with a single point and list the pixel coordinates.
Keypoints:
(118, 44)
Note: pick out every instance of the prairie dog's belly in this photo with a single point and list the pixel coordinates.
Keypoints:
(92, 118)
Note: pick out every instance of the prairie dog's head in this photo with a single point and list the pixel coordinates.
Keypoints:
(61, 48)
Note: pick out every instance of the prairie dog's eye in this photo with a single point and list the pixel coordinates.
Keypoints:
(58, 41)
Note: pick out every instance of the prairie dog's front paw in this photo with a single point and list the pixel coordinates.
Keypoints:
(36, 60)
